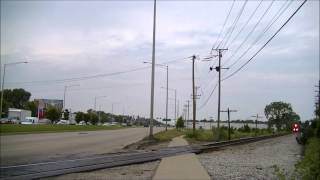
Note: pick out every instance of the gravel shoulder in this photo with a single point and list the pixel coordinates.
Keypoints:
(268, 159)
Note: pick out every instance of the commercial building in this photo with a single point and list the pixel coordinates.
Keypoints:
(44, 104)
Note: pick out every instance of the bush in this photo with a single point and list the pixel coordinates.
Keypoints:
(179, 123)
(245, 128)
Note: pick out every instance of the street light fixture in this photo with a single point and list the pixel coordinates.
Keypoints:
(167, 68)
(3, 78)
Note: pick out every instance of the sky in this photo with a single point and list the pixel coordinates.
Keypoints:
(74, 39)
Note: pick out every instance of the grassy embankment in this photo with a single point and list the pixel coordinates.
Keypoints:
(309, 166)
(203, 135)
(8, 129)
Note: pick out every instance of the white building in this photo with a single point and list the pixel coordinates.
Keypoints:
(18, 114)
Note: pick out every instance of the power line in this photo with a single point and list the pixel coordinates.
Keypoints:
(225, 21)
(235, 23)
(273, 20)
(246, 23)
(207, 100)
(232, 74)
(91, 76)
(252, 30)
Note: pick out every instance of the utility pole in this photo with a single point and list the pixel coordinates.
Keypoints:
(152, 71)
(193, 97)
(256, 122)
(228, 111)
(218, 68)
(178, 104)
(188, 105)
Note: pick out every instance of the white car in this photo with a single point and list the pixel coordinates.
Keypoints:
(30, 120)
(63, 122)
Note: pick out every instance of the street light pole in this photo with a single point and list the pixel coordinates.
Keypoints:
(65, 92)
(167, 98)
(152, 71)
(95, 101)
(2, 83)
(167, 69)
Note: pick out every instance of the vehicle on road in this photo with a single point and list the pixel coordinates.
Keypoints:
(30, 120)
(62, 121)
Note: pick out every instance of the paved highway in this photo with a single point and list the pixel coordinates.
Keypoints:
(32, 148)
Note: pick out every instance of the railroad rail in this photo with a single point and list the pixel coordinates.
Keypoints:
(55, 168)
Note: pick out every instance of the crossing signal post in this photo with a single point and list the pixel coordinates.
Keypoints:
(228, 111)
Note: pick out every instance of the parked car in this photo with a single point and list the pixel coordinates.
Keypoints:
(81, 123)
(30, 120)
(62, 121)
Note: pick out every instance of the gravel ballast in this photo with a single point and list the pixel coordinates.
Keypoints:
(267, 159)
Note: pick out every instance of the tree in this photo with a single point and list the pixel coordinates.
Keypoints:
(86, 117)
(93, 118)
(16, 98)
(180, 123)
(33, 107)
(280, 114)
(79, 117)
(53, 114)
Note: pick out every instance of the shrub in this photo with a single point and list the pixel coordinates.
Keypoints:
(245, 128)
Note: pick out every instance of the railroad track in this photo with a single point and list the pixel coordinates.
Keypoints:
(47, 169)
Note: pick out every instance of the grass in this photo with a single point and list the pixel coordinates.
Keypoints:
(203, 135)
(309, 166)
(8, 129)
(168, 135)
(279, 172)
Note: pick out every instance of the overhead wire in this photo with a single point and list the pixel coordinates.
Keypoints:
(64, 80)
(235, 72)
(252, 30)
(225, 22)
(234, 24)
(246, 23)
(273, 20)
(206, 101)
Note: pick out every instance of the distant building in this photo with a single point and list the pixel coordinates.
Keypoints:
(44, 104)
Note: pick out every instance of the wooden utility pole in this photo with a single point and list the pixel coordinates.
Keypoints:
(218, 68)
(193, 97)
(188, 105)
(228, 111)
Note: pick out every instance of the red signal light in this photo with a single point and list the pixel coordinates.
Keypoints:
(295, 127)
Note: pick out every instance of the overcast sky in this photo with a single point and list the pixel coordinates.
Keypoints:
(71, 39)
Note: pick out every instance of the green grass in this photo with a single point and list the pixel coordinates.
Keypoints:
(309, 166)
(8, 129)
(168, 135)
(203, 135)
(279, 173)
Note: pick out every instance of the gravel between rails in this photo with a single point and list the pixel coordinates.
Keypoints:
(266, 159)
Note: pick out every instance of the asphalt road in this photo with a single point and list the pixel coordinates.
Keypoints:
(32, 148)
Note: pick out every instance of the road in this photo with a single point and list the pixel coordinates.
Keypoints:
(266, 159)
(32, 148)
